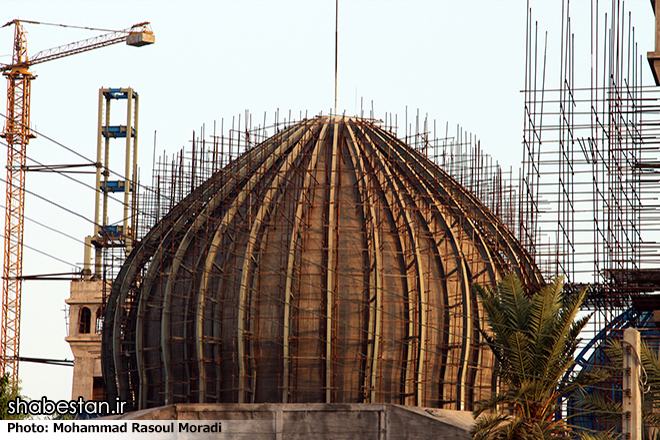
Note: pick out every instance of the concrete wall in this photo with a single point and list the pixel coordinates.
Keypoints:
(324, 421)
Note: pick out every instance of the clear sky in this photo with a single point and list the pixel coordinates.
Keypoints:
(459, 61)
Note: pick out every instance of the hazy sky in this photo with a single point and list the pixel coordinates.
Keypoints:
(459, 61)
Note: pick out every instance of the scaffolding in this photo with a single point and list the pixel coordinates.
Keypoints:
(458, 153)
(589, 181)
(588, 204)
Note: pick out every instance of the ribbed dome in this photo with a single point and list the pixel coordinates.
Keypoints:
(331, 263)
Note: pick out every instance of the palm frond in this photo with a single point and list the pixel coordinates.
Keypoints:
(545, 306)
(586, 378)
(596, 403)
(488, 423)
(599, 436)
(514, 302)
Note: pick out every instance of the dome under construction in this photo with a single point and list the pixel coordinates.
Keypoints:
(330, 263)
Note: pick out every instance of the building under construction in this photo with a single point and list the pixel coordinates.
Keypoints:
(329, 263)
(330, 259)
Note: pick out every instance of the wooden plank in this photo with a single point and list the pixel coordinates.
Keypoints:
(331, 263)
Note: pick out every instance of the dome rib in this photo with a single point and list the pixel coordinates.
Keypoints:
(375, 282)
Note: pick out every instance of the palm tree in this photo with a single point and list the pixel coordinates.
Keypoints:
(534, 337)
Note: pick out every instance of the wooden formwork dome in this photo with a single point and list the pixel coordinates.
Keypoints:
(331, 263)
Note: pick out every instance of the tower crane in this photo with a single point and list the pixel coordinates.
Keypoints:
(17, 134)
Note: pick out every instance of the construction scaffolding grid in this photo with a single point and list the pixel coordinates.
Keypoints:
(588, 206)
(589, 181)
(458, 153)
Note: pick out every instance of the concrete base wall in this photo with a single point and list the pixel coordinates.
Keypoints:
(325, 421)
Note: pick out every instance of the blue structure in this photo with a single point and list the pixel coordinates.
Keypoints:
(594, 355)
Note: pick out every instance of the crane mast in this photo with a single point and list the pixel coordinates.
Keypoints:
(17, 135)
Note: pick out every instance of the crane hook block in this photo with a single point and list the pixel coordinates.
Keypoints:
(139, 39)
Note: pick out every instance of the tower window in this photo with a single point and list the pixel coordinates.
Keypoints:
(85, 320)
(98, 389)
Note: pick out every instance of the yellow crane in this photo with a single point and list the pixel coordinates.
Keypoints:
(17, 134)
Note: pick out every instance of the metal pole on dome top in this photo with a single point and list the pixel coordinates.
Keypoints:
(336, 33)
